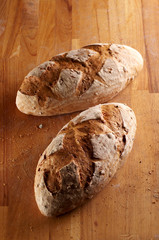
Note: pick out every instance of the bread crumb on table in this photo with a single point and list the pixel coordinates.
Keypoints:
(40, 126)
(31, 228)
(156, 194)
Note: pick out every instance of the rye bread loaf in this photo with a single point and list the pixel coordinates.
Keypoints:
(83, 157)
(78, 79)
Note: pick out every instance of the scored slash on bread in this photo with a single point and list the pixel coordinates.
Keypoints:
(83, 157)
(78, 79)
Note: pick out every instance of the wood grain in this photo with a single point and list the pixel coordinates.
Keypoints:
(32, 31)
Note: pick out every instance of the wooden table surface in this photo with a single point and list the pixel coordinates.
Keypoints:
(32, 31)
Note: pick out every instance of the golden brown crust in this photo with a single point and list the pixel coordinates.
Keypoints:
(114, 121)
(83, 157)
(78, 79)
(49, 78)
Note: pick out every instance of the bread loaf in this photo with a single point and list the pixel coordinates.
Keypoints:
(83, 157)
(78, 79)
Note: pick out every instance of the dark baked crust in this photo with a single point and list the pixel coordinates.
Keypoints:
(40, 86)
(78, 79)
(85, 159)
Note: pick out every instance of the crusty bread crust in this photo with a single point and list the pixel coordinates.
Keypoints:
(83, 157)
(78, 79)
